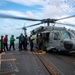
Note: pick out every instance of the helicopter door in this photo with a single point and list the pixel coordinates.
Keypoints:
(57, 40)
(46, 38)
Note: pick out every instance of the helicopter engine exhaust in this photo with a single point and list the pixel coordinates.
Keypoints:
(68, 45)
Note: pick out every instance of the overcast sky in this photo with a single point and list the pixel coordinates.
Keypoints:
(37, 9)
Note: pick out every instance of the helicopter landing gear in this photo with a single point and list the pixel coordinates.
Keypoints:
(54, 50)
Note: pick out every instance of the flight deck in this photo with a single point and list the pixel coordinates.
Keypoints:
(24, 62)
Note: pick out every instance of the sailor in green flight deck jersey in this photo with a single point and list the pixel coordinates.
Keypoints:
(12, 39)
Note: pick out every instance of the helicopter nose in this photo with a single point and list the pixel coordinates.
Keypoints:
(68, 45)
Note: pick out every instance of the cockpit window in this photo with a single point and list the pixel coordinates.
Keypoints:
(56, 36)
(66, 35)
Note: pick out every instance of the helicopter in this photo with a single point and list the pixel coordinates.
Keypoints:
(55, 38)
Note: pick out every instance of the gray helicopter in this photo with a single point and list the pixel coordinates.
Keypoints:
(55, 38)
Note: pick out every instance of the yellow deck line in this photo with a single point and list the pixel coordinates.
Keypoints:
(3, 53)
(0, 59)
(13, 59)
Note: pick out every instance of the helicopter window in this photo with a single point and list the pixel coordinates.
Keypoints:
(56, 36)
(66, 35)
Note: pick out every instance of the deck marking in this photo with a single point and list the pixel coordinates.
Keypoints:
(2, 53)
(56, 68)
(0, 59)
(13, 59)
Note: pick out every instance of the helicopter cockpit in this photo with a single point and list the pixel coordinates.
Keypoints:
(66, 35)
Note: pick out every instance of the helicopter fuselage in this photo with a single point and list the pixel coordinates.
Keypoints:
(56, 38)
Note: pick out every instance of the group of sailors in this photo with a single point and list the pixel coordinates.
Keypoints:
(4, 43)
(23, 42)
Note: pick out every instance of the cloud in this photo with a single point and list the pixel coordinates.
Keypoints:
(50, 9)
(8, 26)
(56, 3)
(27, 2)
(31, 14)
(54, 12)
(46, 12)
(50, 6)
(12, 12)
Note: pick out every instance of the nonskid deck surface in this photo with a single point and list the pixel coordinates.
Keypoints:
(25, 62)
(21, 63)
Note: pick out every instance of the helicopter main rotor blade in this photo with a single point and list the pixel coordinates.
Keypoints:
(34, 25)
(66, 24)
(16, 17)
(30, 26)
(65, 17)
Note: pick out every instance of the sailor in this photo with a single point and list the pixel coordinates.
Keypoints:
(31, 38)
(12, 39)
(40, 42)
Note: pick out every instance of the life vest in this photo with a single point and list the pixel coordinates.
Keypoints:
(32, 37)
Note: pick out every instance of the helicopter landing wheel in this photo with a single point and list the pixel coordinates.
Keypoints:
(54, 50)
